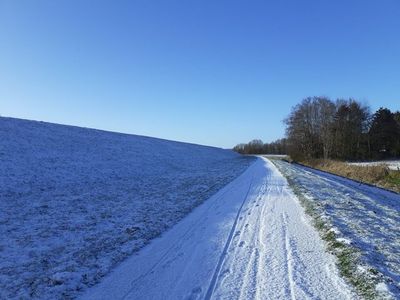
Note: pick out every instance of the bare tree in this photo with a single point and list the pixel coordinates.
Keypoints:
(309, 128)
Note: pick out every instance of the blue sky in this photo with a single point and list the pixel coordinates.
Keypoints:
(209, 72)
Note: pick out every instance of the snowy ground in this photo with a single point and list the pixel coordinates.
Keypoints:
(392, 164)
(75, 202)
(275, 155)
(249, 241)
(364, 217)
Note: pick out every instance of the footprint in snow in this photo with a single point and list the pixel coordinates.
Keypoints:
(195, 294)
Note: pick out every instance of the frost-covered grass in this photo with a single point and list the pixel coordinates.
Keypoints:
(391, 164)
(360, 225)
(75, 202)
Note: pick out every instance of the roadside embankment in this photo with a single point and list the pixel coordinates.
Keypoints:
(379, 175)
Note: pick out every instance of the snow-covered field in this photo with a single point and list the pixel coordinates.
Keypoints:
(392, 164)
(365, 217)
(75, 202)
(251, 240)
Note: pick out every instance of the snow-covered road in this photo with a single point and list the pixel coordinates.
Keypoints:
(251, 240)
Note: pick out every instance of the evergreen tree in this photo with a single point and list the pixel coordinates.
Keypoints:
(384, 134)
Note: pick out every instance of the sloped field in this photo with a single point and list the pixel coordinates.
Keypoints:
(74, 202)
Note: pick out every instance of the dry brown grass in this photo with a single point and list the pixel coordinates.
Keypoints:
(380, 175)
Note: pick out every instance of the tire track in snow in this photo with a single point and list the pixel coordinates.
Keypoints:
(253, 243)
(288, 256)
(263, 246)
(175, 247)
(217, 271)
(282, 259)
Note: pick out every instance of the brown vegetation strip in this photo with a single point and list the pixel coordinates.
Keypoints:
(380, 176)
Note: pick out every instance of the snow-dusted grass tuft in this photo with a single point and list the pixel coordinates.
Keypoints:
(347, 256)
(354, 261)
(75, 202)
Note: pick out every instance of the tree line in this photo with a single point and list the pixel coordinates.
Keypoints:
(344, 129)
(258, 147)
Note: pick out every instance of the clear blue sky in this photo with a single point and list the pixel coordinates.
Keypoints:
(209, 72)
